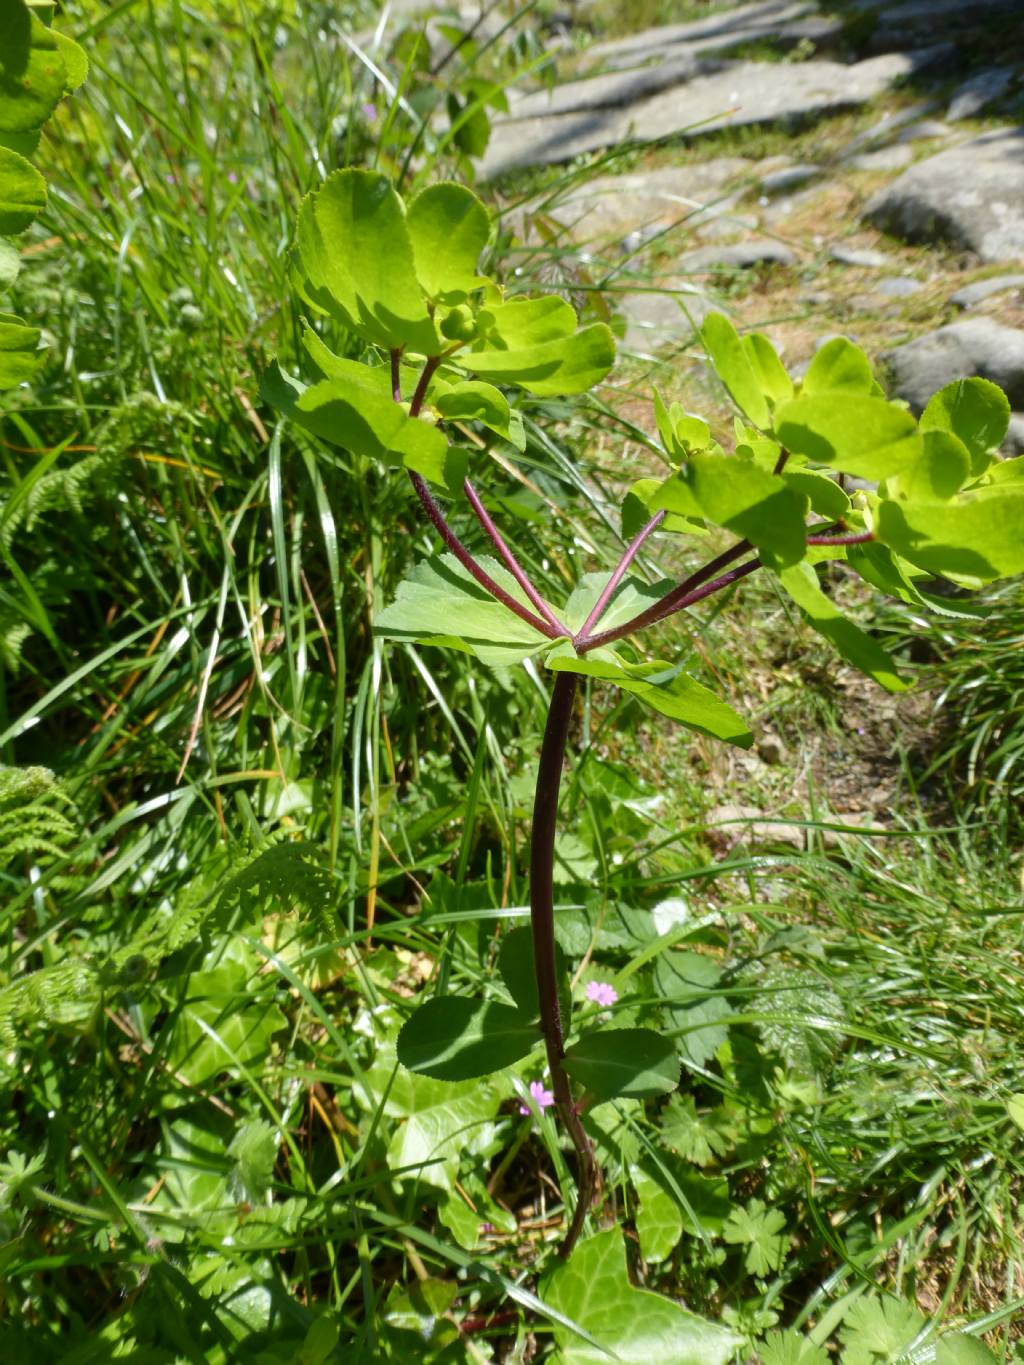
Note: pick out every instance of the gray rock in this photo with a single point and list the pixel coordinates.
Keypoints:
(609, 91)
(653, 319)
(924, 129)
(747, 825)
(788, 178)
(742, 94)
(771, 750)
(864, 256)
(884, 159)
(980, 90)
(914, 20)
(1014, 442)
(898, 287)
(972, 294)
(971, 195)
(613, 206)
(888, 124)
(738, 256)
(976, 346)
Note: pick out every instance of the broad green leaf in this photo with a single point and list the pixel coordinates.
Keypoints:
(76, 63)
(448, 227)
(688, 983)
(218, 1031)
(885, 571)
(664, 423)
(1005, 471)
(631, 597)
(859, 649)
(632, 1325)
(789, 1348)
(10, 263)
(626, 1062)
(331, 366)
(937, 476)
(692, 433)
(824, 494)
(977, 537)
(472, 400)
(745, 499)
(19, 354)
(880, 1327)
(359, 415)
(956, 1348)
(637, 512)
(732, 364)
(516, 965)
(452, 1038)
(22, 192)
(976, 411)
(33, 76)
(659, 1221)
(762, 1231)
(439, 598)
(353, 260)
(769, 370)
(852, 433)
(663, 687)
(839, 365)
(567, 364)
(523, 323)
(699, 1138)
(1015, 1109)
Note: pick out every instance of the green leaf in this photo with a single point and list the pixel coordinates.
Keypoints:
(471, 400)
(977, 537)
(448, 227)
(10, 263)
(859, 649)
(631, 1325)
(824, 494)
(637, 512)
(523, 323)
(353, 259)
(358, 414)
(76, 63)
(789, 1348)
(956, 1348)
(33, 77)
(745, 499)
(885, 571)
(659, 1222)
(762, 1231)
(663, 687)
(22, 192)
(699, 1138)
(1015, 1109)
(768, 369)
(19, 354)
(881, 1327)
(688, 983)
(452, 1038)
(624, 1062)
(516, 965)
(839, 365)
(732, 363)
(942, 470)
(976, 411)
(439, 598)
(853, 433)
(568, 364)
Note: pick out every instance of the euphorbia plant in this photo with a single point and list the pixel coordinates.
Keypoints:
(440, 339)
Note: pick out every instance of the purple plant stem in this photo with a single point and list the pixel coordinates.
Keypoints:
(396, 375)
(511, 563)
(632, 550)
(422, 384)
(468, 562)
(542, 922)
(855, 538)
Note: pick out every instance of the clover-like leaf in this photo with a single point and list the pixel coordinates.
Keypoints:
(839, 365)
(448, 227)
(624, 1062)
(33, 76)
(353, 259)
(22, 192)
(762, 1231)
(452, 1038)
(623, 1323)
(859, 649)
(19, 354)
(975, 410)
(850, 432)
(563, 365)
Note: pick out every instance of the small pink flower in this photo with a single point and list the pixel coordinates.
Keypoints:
(542, 1098)
(602, 992)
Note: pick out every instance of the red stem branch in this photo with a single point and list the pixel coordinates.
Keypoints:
(632, 550)
(511, 563)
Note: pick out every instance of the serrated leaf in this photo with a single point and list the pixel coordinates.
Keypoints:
(849, 432)
(452, 1038)
(745, 499)
(76, 63)
(439, 598)
(839, 365)
(448, 227)
(353, 260)
(697, 1137)
(568, 364)
(19, 354)
(762, 1231)
(881, 1327)
(976, 411)
(33, 76)
(663, 687)
(22, 192)
(631, 1325)
(956, 1348)
(858, 648)
(623, 1062)
(789, 1348)
(732, 363)
(976, 537)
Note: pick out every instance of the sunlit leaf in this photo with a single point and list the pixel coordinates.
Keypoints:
(850, 432)
(448, 226)
(859, 649)
(19, 353)
(614, 1062)
(837, 366)
(452, 1038)
(976, 411)
(33, 76)
(516, 965)
(567, 364)
(22, 192)
(976, 537)
(762, 1231)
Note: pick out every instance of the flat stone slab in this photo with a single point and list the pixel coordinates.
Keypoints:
(788, 178)
(971, 195)
(609, 91)
(654, 319)
(737, 256)
(980, 91)
(883, 159)
(972, 294)
(611, 207)
(741, 94)
(865, 257)
(976, 346)
(898, 287)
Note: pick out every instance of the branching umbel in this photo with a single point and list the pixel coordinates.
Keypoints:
(405, 282)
